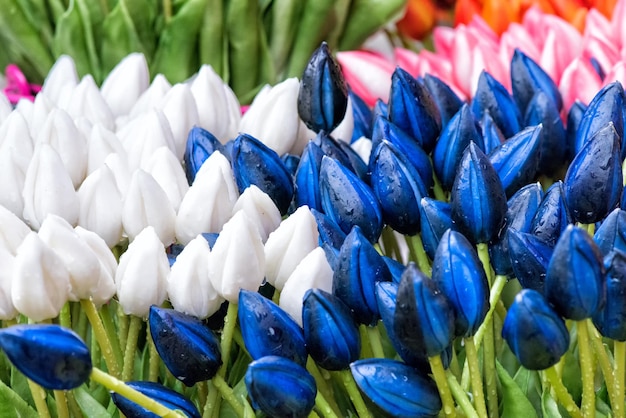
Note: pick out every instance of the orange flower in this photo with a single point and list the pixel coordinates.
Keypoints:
(419, 19)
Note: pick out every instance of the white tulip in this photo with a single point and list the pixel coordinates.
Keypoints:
(149, 98)
(261, 210)
(25, 107)
(42, 106)
(126, 83)
(15, 136)
(87, 101)
(304, 136)
(105, 288)
(61, 79)
(363, 147)
(168, 172)
(7, 309)
(5, 107)
(119, 167)
(179, 107)
(12, 231)
(102, 142)
(12, 184)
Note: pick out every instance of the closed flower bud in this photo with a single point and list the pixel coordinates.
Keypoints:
(12, 184)
(553, 146)
(362, 117)
(105, 283)
(574, 116)
(87, 102)
(610, 318)
(200, 145)
(261, 210)
(529, 256)
(162, 394)
(7, 309)
(125, 83)
(100, 145)
(493, 97)
(12, 230)
(329, 231)
(611, 235)
(528, 78)
(61, 78)
(492, 135)
(179, 108)
(152, 95)
(165, 168)
(445, 98)
(307, 178)
(552, 215)
(435, 219)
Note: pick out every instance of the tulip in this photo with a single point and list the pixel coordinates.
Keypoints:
(5, 106)
(446, 99)
(553, 146)
(260, 209)
(188, 285)
(363, 147)
(329, 231)
(610, 318)
(7, 309)
(50, 355)
(61, 78)
(162, 394)
(141, 277)
(528, 78)
(424, 318)
(307, 184)
(367, 74)
(358, 269)
(291, 162)
(331, 335)
(152, 95)
(396, 388)
(255, 163)
(165, 168)
(209, 202)
(12, 230)
(125, 83)
(16, 139)
(435, 219)
(574, 116)
(267, 330)
(189, 349)
(492, 135)
(313, 272)
(179, 108)
(493, 97)
(333, 149)
(237, 260)
(359, 166)
(105, 284)
(100, 145)
(279, 387)
(295, 237)
(362, 116)
(200, 145)
(87, 101)
(593, 182)
(348, 201)
(552, 215)
(611, 235)
(534, 331)
(477, 200)
(579, 80)
(529, 256)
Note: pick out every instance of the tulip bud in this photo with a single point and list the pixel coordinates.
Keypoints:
(105, 287)
(492, 135)
(493, 97)
(200, 145)
(610, 318)
(141, 277)
(179, 108)
(261, 210)
(553, 146)
(445, 98)
(574, 116)
(125, 83)
(529, 256)
(307, 183)
(5, 106)
(165, 168)
(12, 230)
(61, 78)
(552, 215)
(435, 219)
(611, 235)
(329, 231)
(7, 309)
(362, 117)
(333, 149)
(16, 139)
(528, 78)
(153, 94)
(162, 394)
(101, 144)
(87, 101)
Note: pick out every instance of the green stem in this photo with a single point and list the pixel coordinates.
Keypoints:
(322, 384)
(476, 379)
(167, 10)
(461, 396)
(374, 338)
(607, 370)
(39, 396)
(211, 399)
(154, 361)
(122, 320)
(65, 319)
(390, 244)
(203, 392)
(228, 394)
(562, 394)
(109, 327)
(353, 392)
(619, 352)
(103, 340)
(61, 400)
(417, 253)
(116, 385)
(131, 347)
(366, 348)
(73, 405)
(439, 375)
(323, 407)
(587, 369)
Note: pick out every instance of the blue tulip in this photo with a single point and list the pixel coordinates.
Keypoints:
(348, 201)
(553, 144)
(530, 257)
(189, 349)
(493, 97)
(424, 318)
(445, 98)
(173, 251)
(396, 388)
(291, 163)
(323, 95)
(162, 394)
(593, 182)
(359, 167)
(267, 330)
(358, 269)
(332, 255)
(477, 200)
(412, 108)
(454, 139)
(611, 235)
(435, 219)
(50, 355)
(362, 116)
(331, 335)
(575, 280)
(398, 188)
(280, 388)
(574, 116)
(329, 231)
(458, 272)
(528, 78)
(611, 319)
(534, 331)
(597, 67)
(552, 215)
(254, 163)
(200, 145)
(307, 183)
(380, 109)
(331, 148)
(492, 135)
(517, 159)
(606, 106)
(396, 268)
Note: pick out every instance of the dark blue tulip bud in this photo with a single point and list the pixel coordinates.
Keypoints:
(534, 331)
(542, 110)
(574, 116)
(280, 388)
(530, 257)
(398, 188)
(412, 108)
(200, 145)
(528, 78)
(521, 209)
(575, 282)
(492, 135)
(255, 163)
(267, 330)
(359, 167)
(593, 182)
(446, 100)
(606, 106)
(380, 109)
(358, 269)
(331, 148)
(385, 130)
(331, 335)
(458, 272)
(332, 255)
(611, 319)
(173, 251)
(50, 355)
(189, 349)
(291, 163)
(454, 139)
(492, 96)
(162, 394)
(348, 201)
(329, 231)
(210, 238)
(517, 159)
(424, 318)
(477, 200)
(323, 95)
(435, 219)
(552, 215)
(597, 67)
(611, 235)
(307, 179)
(396, 268)
(396, 388)
(362, 116)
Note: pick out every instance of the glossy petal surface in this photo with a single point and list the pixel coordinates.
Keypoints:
(611, 319)
(165, 396)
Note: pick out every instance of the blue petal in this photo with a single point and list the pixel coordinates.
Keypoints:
(553, 145)
(492, 135)
(435, 219)
(574, 116)
(163, 395)
(611, 235)
(447, 101)
(528, 78)
(493, 97)
(200, 145)
(530, 257)
(362, 116)
(552, 215)
(329, 231)
(611, 319)
(307, 183)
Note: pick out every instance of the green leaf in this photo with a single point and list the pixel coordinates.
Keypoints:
(69, 39)
(365, 18)
(90, 406)
(20, 385)
(549, 407)
(213, 45)
(285, 22)
(12, 404)
(530, 384)
(515, 403)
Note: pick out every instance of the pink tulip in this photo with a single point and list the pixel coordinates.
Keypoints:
(368, 74)
(579, 81)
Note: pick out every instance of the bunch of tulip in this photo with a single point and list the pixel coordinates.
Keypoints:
(313, 256)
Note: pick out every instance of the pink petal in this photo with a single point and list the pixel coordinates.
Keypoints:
(407, 60)
(443, 40)
(617, 73)
(367, 73)
(579, 81)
